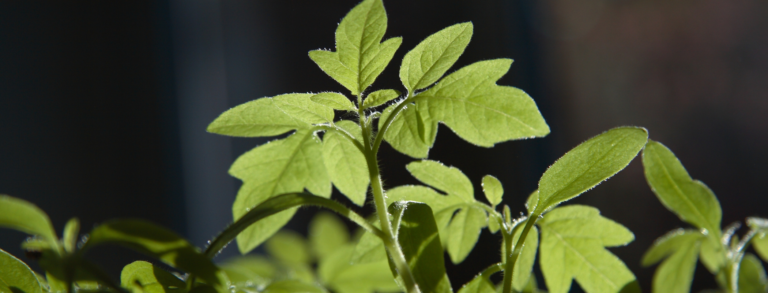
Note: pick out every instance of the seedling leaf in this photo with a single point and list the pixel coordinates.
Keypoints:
(589, 164)
(337, 273)
(291, 286)
(334, 100)
(379, 98)
(289, 247)
(752, 278)
(521, 275)
(146, 277)
(448, 179)
(464, 231)
(690, 199)
(250, 270)
(326, 234)
(410, 132)
(681, 249)
(21, 215)
(346, 165)
(493, 190)
(479, 284)
(16, 275)
(431, 58)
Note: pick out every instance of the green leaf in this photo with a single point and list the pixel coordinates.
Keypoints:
(752, 278)
(681, 249)
(589, 164)
(420, 242)
(431, 58)
(158, 242)
(448, 179)
(326, 234)
(24, 216)
(760, 240)
(532, 201)
(289, 246)
(336, 101)
(272, 116)
(249, 270)
(15, 275)
(712, 255)
(479, 284)
(572, 247)
(408, 133)
(145, 277)
(346, 165)
(71, 231)
(369, 248)
(464, 231)
(280, 166)
(360, 56)
(524, 265)
(690, 199)
(292, 286)
(493, 190)
(337, 273)
(379, 98)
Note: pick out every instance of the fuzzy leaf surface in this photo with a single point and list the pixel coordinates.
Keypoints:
(346, 165)
(573, 241)
(271, 116)
(16, 275)
(360, 56)
(447, 179)
(21, 215)
(379, 98)
(690, 199)
(145, 277)
(493, 190)
(410, 132)
(336, 101)
(679, 249)
(280, 166)
(589, 164)
(431, 58)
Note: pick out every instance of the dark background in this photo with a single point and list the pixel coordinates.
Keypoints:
(103, 104)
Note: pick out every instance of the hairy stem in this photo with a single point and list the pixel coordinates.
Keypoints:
(511, 258)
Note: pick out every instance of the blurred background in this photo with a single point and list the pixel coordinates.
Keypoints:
(104, 104)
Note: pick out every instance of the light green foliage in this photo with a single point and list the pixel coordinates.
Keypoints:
(752, 278)
(71, 231)
(326, 234)
(292, 286)
(680, 250)
(470, 103)
(142, 276)
(289, 247)
(431, 58)
(280, 166)
(24, 216)
(690, 199)
(360, 56)
(524, 264)
(157, 242)
(345, 163)
(447, 179)
(338, 274)
(379, 98)
(271, 116)
(15, 275)
(760, 241)
(573, 241)
(418, 236)
(712, 255)
(493, 190)
(589, 164)
(334, 100)
(368, 249)
(480, 284)
(249, 272)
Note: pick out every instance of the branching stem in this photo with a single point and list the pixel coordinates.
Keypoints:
(511, 258)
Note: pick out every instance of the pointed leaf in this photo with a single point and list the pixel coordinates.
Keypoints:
(289, 247)
(589, 164)
(443, 206)
(712, 255)
(521, 275)
(572, 247)
(360, 56)
(326, 234)
(431, 58)
(670, 243)
(752, 278)
(145, 277)
(420, 242)
(71, 233)
(448, 179)
(346, 165)
(280, 166)
(532, 201)
(271, 116)
(21, 215)
(334, 100)
(464, 231)
(408, 133)
(690, 199)
(479, 284)
(16, 275)
(379, 98)
(680, 248)
(493, 190)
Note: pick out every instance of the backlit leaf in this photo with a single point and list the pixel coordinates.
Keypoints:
(16, 275)
(690, 199)
(752, 278)
(334, 100)
(573, 241)
(493, 190)
(280, 166)
(145, 277)
(346, 165)
(408, 133)
(379, 98)
(479, 284)
(21, 215)
(524, 266)
(337, 273)
(289, 246)
(431, 58)
(464, 231)
(368, 249)
(589, 164)
(360, 56)
(712, 255)
(292, 286)
(448, 179)
(326, 234)
(249, 270)
(271, 116)
(681, 249)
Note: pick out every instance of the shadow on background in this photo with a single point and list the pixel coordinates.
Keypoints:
(103, 105)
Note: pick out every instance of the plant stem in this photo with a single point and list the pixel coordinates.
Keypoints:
(377, 188)
(511, 258)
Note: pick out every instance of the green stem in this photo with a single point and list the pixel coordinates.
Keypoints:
(511, 258)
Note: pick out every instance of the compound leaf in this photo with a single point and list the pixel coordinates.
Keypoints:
(573, 241)
(326, 234)
(410, 132)
(681, 249)
(690, 199)
(360, 56)
(16, 276)
(334, 100)
(145, 277)
(431, 58)
(271, 116)
(464, 231)
(379, 98)
(448, 179)
(346, 165)
(21, 215)
(752, 278)
(289, 247)
(280, 166)
(493, 190)
(589, 164)
(420, 242)
(158, 242)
